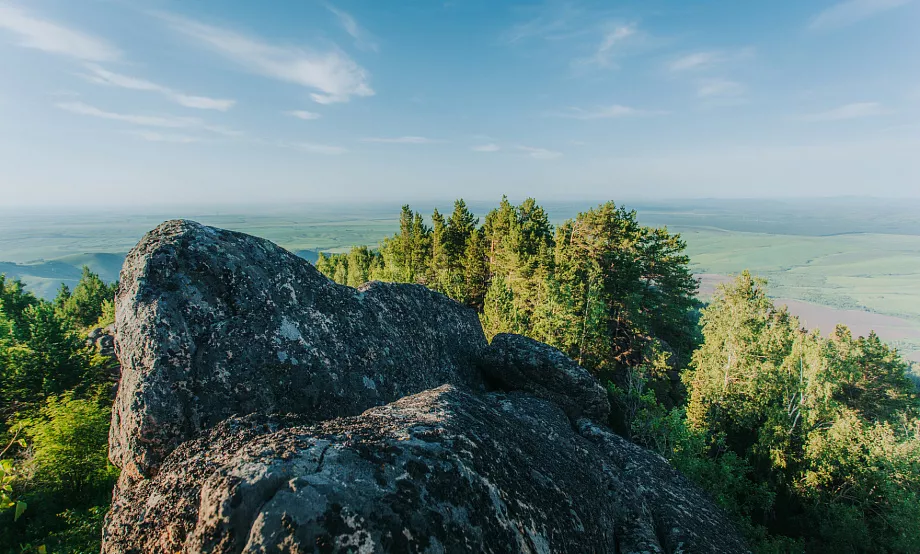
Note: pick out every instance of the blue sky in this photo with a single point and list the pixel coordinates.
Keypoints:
(163, 102)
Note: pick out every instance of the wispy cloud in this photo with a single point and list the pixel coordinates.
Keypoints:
(144, 120)
(160, 137)
(333, 75)
(719, 88)
(605, 52)
(45, 35)
(707, 59)
(539, 153)
(303, 114)
(849, 111)
(852, 11)
(551, 23)
(362, 38)
(104, 77)
(605, 112)
(401, 140)
(169, 121)
(486, 148)
(313, 148)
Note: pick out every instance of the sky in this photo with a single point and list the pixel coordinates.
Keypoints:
(145, 102)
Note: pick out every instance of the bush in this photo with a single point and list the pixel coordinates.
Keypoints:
(69, 447)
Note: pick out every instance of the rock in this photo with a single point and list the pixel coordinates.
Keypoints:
(94, 334)
(106, 345)
(440, 471)
(264, 408)
(514, 362)
(213, 323)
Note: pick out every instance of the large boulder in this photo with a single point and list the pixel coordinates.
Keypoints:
(440, 471)
(513, 362)
(264, 408)
(213, 323)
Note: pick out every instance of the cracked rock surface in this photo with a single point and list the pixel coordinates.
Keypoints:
(264, 408)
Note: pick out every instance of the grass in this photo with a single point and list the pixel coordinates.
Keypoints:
(875, 272)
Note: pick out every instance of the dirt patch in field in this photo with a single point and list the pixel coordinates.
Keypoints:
(709, 282)
(814, 316)
(860, 323)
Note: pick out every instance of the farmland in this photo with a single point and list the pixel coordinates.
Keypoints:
(854, 261)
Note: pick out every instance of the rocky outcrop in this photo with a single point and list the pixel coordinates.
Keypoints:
(213, 323)
(266, 409)
(513, 362)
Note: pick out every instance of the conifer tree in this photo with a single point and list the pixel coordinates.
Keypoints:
(438, 267)
(475, 268)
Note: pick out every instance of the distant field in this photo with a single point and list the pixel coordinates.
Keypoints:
(878, 273)
(855, 261)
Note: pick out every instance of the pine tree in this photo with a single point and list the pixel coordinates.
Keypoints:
(84, 305)
(460, 225)
(438, 267)
(475, 271)
(359, 266)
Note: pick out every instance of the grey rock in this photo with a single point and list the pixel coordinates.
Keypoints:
(440, 471)
(213, 323)
(515, 362)
(105, 344)
(263, 408)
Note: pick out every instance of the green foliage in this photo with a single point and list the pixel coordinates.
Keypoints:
(829, 426)
(54, 416)
(69, 446)
(80, 531)
(14, 300)
(85, 304)
(47, 356)
(9, 473)
(64, 475)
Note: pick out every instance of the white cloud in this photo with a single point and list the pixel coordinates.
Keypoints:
(362, 37)
(160, 137)
(104, 77)
(486, 148)
(539, 153)
(332, 74)
(849, 111)
(400, 140)
(719, 88)
(605, 112)
(605, 51)
(47, 36)
(144, 120)
(204, 102)
(696, 60)
(303, 114)
(313, 148)
(707, 59)
(169, 122)
(852, 11)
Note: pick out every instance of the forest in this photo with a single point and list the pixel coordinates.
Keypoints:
(811, 443)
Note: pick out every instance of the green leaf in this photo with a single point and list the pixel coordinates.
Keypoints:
(20, 507)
